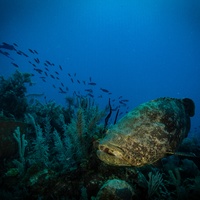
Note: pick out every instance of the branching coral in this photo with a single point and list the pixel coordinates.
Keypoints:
(152, 184)
(155, 180)
(22, 143)
(80, 123)
(49, 112)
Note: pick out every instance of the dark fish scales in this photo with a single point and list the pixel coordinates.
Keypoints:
(7, 46)
(37, 60)
(48, 62)
(88, 90)
(31, 51)
(6, 54)
(52, 76)
(24, 54)
(92, 83)
(43, 79)
(38, 70)
(35, 51)
(121, 102)
(124, 100)
(62, 91)
(60, 67)
(14, 64)
(19, 53)
(104, 90)
(147, 133)
(89, 94)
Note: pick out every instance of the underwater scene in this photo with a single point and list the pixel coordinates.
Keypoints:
(99, 99)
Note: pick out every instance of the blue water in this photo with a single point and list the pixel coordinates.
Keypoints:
(137, 49)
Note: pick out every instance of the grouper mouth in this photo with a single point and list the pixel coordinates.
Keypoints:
(112, 155)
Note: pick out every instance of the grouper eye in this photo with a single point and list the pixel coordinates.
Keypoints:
(106, 150)
(100, 148)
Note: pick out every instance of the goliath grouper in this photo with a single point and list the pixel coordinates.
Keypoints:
(147, 133)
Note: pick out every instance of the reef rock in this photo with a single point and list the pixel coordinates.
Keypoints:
(115, 189)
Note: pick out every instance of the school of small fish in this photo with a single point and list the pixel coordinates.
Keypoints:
(46, 69)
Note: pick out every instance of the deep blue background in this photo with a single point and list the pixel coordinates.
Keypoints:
(140, 49)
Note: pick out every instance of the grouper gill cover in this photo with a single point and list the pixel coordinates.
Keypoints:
(147, 133)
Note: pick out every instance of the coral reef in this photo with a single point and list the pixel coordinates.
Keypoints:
(12, 94)
(52, 154)
(8, 145)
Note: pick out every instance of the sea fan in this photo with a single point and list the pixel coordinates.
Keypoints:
(62, 150)
(40, 153)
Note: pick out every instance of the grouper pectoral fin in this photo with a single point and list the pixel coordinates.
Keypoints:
(189, 154)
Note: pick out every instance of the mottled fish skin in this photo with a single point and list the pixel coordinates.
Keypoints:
(147, 133)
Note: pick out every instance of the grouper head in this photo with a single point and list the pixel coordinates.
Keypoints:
(119, 148)
(124, 147)
(111, 152)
